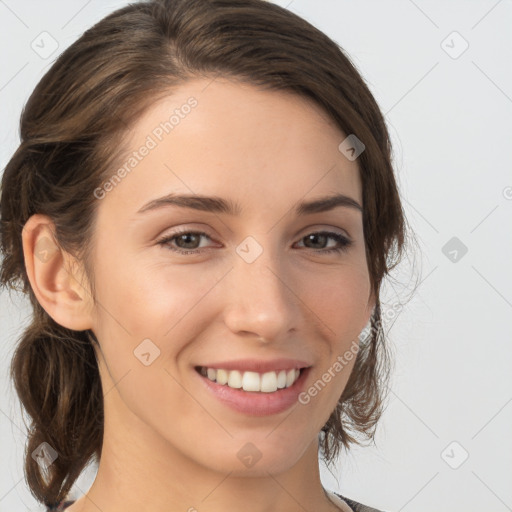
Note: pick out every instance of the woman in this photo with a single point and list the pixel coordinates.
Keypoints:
(202, 210)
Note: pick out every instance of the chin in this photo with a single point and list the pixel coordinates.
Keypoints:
(256, 457)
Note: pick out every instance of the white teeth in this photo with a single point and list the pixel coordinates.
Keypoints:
(268, 382)
(251, 381)
(222, 377)
(235, 379)
(281, 379)
(290, 377)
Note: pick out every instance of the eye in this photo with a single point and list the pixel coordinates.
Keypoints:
(323, 236)
(189, 242)
(186, 241)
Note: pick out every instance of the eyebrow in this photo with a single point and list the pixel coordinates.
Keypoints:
(216, 204)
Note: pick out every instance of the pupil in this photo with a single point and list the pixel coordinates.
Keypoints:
(312, 237)
(187, 236)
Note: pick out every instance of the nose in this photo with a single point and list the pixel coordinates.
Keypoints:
(261, 300)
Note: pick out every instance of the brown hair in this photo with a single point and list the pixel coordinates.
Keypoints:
(71, 133)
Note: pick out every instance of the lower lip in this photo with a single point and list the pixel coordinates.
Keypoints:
(257, 403)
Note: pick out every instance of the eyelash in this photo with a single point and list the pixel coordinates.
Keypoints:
(343, 241)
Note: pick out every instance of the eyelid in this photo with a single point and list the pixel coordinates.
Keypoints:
(316, 228)
(178, 230)
(343, 241)
(313, 228)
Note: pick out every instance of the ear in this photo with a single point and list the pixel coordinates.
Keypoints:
(56, 277)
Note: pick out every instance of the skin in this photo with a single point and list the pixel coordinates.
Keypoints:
(168, 444)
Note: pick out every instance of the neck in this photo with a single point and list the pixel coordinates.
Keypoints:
(139, 470)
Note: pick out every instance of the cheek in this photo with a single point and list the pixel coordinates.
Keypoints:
(339, 297)
(140, 295)
(140, 301)
(144, 303)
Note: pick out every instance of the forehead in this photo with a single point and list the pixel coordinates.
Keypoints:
(226, 138)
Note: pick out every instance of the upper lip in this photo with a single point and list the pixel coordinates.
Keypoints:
(259, 366)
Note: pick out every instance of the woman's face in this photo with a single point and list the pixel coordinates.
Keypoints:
(262, 288)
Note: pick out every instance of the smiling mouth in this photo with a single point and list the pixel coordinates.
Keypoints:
(268, 382)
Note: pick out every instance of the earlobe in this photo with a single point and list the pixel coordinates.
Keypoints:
(55, 276)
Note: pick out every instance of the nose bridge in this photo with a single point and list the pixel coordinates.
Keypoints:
(260, 299)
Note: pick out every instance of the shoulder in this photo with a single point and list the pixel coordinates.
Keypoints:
(357, 507)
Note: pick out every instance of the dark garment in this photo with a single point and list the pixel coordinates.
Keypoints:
(62, 505)
(356, 507)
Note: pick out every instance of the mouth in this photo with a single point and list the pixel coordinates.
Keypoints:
(251, 381)
(253, 393)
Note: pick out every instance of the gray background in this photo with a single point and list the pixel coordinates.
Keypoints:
(449, 112)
